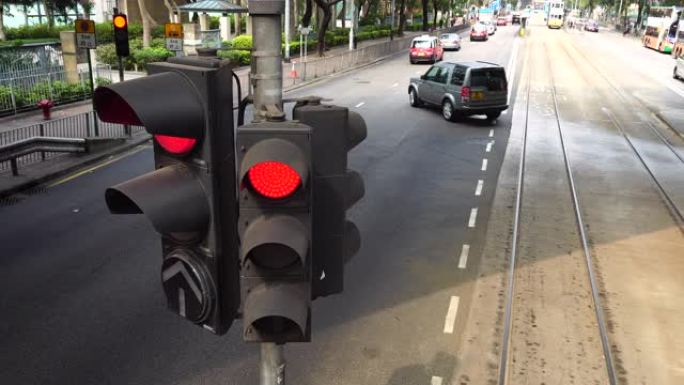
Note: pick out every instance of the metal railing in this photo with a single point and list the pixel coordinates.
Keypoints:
(76, 126)
(23, 87)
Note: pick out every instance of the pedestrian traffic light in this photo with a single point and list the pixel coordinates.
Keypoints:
(120, 22)
(275, 187)
(335, 131)
(190, 198)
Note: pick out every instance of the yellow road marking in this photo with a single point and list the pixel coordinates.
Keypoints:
(91, 169)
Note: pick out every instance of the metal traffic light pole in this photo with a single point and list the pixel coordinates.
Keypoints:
(268, 105)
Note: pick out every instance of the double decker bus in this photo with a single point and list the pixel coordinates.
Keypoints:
(662, 25)
(555, 12)
(678, 49)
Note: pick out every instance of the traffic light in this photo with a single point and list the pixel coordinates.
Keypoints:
(335, 131)
(120, 22)
(275, 187)
(190, 198)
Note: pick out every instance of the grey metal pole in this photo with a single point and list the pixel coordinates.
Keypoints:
(267, 76)
(272, 370)
(287, 31)
(393, 12)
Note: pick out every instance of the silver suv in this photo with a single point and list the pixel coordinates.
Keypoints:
(462, 89)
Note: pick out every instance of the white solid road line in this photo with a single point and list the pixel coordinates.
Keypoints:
(510, 68)
(463, 259)
(473, 217)
(491, 132)
(478, 189)
(436, 380)
(489, 146)
(450, 319)
(360, 104)
(484, 164)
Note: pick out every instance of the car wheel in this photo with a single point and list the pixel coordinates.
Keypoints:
(414, 99)
(448, 111)
(493, 115)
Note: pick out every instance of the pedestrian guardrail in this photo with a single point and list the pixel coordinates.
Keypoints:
(11, 152)
(75, 126)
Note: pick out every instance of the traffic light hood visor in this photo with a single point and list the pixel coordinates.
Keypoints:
(171, 197)
(277, 312)
(276, 150)
(165, 103)
(274, 242)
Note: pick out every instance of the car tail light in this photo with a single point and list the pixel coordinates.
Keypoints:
(429, 51)
(465, 94)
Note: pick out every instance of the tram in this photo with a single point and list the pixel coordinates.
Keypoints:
(662, 26)
(554, 17)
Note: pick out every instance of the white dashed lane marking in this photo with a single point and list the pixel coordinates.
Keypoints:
(360, 104)
(463, 259)
(473, 217)
(478, 188)
(484, 164)
(450, 319)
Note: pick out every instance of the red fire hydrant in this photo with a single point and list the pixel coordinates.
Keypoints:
(46, 105)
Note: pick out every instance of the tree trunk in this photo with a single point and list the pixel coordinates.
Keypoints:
(344, 14)
(293, 19)
(147, 33)
(434, 16)
(49, 13)
(322, 28)
(237, 19)
(2, 23)
(402, 17)
(425, 14)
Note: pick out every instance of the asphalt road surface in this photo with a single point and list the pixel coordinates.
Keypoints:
(81, 298)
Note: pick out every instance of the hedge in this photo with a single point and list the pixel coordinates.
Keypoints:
(103, 31)
(106, 53)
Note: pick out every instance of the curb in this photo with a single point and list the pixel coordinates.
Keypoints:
(76, 165)
(667, 123)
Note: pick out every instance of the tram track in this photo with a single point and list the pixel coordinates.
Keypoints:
(676, 212)
(504, 373)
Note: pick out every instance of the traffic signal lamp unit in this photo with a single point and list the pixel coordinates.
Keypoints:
(190, 197)
(120, 22)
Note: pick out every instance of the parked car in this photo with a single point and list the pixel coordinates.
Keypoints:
(462, 89)
(450, 41)
(501, 20)
(426, 49)
(591, 26)
(678, 72)
(479, 32)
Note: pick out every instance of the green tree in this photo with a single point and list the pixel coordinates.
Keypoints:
(4, 8)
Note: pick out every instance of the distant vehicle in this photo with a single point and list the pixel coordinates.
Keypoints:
(591, 26)
(678, 72)
(491, 27)
(450, 41)
(515, 18)
(661, 28)
(555, 11)
(501, 20)
(426, 49)
(479, 32)
(462, 89)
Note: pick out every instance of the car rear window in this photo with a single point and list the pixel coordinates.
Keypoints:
(494, 79)
(421, 44)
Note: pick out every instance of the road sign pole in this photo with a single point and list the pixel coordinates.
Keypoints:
(121, 69)
(267, 58)
(272, 371)
(92, 92)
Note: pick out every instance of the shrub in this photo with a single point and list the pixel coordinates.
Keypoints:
(236, 56)
(100, 81)
(106, 53)
(243, 42)
(144, 56)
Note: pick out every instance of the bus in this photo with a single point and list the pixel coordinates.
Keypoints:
(662, 25)
(556, 10)
(678, 49)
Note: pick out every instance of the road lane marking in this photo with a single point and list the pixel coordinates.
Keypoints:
(491, 133)
(511, 70)
(489, 146)
(505, 112)
(473, 217)
(484, 164)
(463, 259)
(360, 104)
(91, 169)
(478, 189)
(451, 315)
(395, 84)
(436, 380)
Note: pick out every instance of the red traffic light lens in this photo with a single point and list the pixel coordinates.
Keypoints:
(175, 144)
(119, 21)
(274, 180)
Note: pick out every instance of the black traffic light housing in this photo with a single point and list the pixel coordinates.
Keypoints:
(275, 203)
(120, 22)
(190, 196)
(335, 131)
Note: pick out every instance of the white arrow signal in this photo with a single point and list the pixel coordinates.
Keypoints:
(179, 268)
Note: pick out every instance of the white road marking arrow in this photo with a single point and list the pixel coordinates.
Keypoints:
(177, 268)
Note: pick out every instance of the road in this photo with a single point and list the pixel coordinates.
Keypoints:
(544, 249)
(81, 295)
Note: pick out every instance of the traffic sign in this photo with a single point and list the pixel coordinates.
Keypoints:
(85, 34)
(174, 36)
